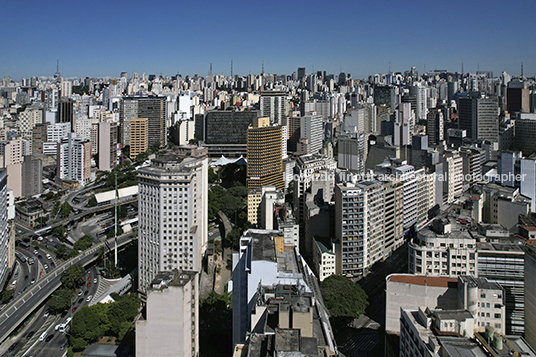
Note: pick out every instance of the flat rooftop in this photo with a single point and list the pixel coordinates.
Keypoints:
(438, 281)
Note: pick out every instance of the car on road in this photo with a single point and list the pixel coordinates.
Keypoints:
(95, 281)
(88, 299)
(48, 256)
(33, 281)
(45, 266)
(85, 292)
(80, 293)
(30, 335)
(14, 283)
(74, 309)
(12, 347)
(88, 284)
(49, 337)
(89, 278)
(80, 301)
(40, 256)
(47, 313)
(26, 277)
(36, 251)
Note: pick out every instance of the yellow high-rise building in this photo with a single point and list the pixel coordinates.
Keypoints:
(264, 150)
(139, 136)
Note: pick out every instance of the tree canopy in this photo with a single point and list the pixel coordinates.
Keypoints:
(343, 298)
(83, 243)
(65, 209)
(60, 300)
(73, 277)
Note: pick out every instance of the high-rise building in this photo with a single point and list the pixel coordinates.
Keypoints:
(151, 107)
(359, 226)
(4, 231)
(74, 160)
(273, 105)
(311, 129)
(39, 136)
(518, 97)
(514, 170)
(139, 140)
(107, 145)
(66, 112)
(479, 117)
(530, 292)
(225, 132)
(434, 126)
(170, 325)
(32, 175)
(352, 153)
(172, 213)
(265, 161)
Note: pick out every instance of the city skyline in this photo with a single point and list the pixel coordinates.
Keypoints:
(108, 38)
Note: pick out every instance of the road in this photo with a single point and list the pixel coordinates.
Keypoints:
(53, 346)
(21, 307)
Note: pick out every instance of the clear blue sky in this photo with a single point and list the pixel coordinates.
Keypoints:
(102, 38)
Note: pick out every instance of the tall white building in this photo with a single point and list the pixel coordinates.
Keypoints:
(170, 326)
(352, 153)
(172, 213)
(311, 129)
(4, 231)
(359, 226)
(74, 159)
(57, 132)
(272, 104)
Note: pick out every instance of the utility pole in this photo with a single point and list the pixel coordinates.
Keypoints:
(115, 226)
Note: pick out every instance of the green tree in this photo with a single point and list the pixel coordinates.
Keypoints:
(73, 277)
(124, 309)
(60, 300)
(56, 208)
(215, 324)
(230, 205)
(59, 231)
(83, 243)
(6, 295)
(342, 297)
(214, 201)
(78, 343)
(65, 210)
(90, 323)
(60, 251)
(92, 202)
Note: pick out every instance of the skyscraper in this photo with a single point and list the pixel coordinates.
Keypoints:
(139, 132)
(311, 129)
(479, 117)
(107, 145)
(273, 105)
(151, 107)
(265, 161)
(172, 213)
(74, 159)
(66, 112)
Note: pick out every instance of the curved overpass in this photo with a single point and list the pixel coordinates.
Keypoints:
(19, 309)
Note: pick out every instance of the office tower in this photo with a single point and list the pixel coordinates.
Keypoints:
(170, 325)
(11, 151)
(28, 119)
(354, 120)
(58, 131)
(384, 96)
(151, 107)
(530, 292)
(393, 220)
(39, 136)
(301, 73)
(453, 175)
(406, 174)
(4, 231)
(107, 146)
(66, 112)
(293, 130)
(421, 95)
(172, 213)
(473, 159)
(74, 160)
(524, 132)
(479, 117)
(432, 251)
(434, 126)
(32, 175)
(273, 105)
(66, 88)
(225, 132)
(264, 154)
(359, 226)
(518, 97)
(139, 140)
(352, 153)
(503, 263)
(311, 129)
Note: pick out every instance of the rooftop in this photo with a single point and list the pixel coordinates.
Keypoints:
(438, 281)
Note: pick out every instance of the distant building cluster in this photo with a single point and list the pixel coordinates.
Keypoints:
(340, 174)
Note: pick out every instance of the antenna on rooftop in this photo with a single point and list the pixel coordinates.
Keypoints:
(521, 68)
(263, 67)
(231, 67)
